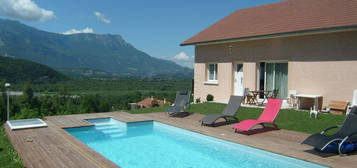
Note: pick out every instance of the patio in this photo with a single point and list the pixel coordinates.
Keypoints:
(53, 147)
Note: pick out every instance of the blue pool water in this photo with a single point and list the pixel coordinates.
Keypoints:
(156, 145)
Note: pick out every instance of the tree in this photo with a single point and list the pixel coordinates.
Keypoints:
(29, 100)
(90, 104)
(3, 102)
(27, 113)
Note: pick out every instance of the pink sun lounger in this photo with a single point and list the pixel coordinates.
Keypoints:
(267, 117)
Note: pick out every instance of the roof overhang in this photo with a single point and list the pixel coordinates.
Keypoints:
(277, 35)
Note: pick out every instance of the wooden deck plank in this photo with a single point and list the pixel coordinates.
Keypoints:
(50, 148)
(54, 147)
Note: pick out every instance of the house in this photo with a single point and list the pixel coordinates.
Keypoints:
(152, 102)
(305, 45)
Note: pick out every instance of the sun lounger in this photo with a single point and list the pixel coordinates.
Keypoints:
(267, 117)
(347, 134)
(181, 102)
(229, 112)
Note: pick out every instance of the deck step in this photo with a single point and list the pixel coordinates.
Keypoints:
(117, 135)
(108, 128)
(105, 125)
(113, 131)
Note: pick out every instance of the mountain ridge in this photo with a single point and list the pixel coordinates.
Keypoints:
(105, 52)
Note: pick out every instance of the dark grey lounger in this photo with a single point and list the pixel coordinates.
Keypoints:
(229, 112)
(346, 134)
(182, 101)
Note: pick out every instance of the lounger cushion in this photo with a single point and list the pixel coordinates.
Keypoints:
(348, 128)
(267, 117)
(319, 141)
(246, 125)
(181, 102)
(333, 148)
(210, 119)
(183, 92)
(179, 114)
(174, 109)
(229, 111)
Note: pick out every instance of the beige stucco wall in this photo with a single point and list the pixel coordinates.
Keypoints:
(334, 80)
(250, 75)
(222, 90)
(324, 64)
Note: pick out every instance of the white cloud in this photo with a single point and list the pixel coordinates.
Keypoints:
(75, 31)
(24, 10)
(183, 59)
(182, 56)
(101, 17)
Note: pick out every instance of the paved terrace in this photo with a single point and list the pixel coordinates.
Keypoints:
(53, 147)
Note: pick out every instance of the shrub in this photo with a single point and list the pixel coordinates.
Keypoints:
(198, 100)
(155, 103)
(209, 97)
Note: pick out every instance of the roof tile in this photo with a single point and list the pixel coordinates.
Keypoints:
(282, 17)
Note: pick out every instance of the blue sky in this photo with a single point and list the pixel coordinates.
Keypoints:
(156, 27)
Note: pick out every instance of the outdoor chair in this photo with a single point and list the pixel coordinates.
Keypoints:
(248, 97)
(291, 97)
(229, 112)
(347, 134)
(354, 101)
(182, 101)
(268, 116)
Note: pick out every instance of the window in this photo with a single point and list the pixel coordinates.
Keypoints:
(274, 77)
(212, 72)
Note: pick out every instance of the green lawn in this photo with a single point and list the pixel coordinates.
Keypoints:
(8, 156)
(148, 110)
(287, 119)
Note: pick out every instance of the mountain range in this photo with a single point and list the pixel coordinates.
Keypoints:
(103, 52)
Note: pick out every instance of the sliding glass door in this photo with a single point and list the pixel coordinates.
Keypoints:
(276, 78)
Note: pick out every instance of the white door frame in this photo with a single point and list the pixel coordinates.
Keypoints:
(235, 82)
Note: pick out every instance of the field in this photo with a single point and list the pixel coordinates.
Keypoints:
(77, 96)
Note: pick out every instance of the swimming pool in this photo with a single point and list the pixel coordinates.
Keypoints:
(153, 144)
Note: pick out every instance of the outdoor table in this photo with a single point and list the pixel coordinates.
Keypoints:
(257, 93)
(315, 97)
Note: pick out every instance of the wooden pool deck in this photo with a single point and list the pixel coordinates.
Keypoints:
(53, 147)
